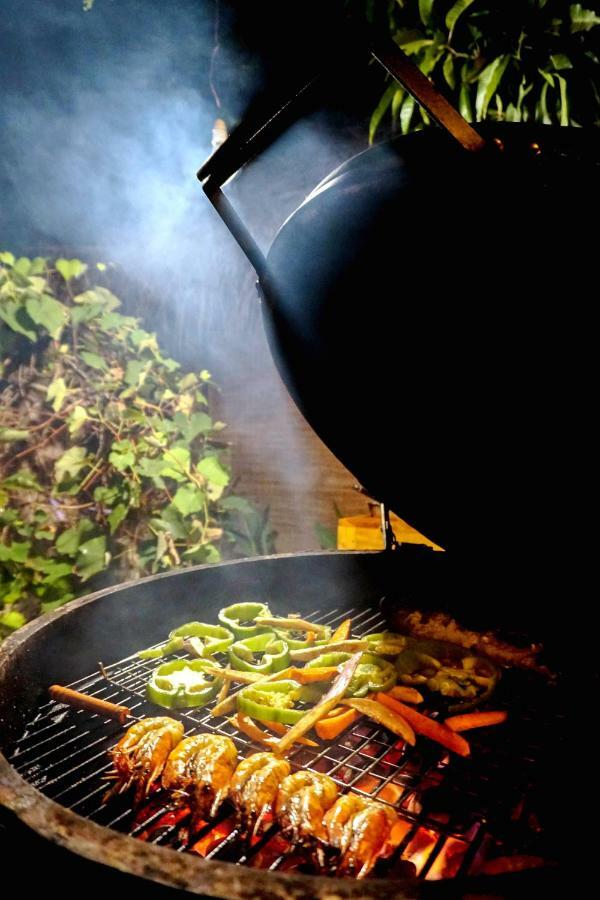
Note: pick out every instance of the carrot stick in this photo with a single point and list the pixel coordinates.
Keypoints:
(405, 694)
(475, 720)
(426, 726)
(342, 632)
(331, 726)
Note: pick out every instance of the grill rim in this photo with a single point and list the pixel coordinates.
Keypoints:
(98, 843)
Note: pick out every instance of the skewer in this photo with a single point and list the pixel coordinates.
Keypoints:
(93, 704)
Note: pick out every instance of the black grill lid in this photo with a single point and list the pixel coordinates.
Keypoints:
(423, 305)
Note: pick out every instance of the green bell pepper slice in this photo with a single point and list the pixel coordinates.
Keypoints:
(263, 654)
(272, 701)
(232, 616)
(205, 640)
(295, 642)
(386, 643)
(182, 683)
(373, 673)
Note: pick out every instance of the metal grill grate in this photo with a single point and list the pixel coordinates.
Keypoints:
(454, 811)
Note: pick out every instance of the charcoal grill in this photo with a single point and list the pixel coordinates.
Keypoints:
(503, 800)
(457, 813)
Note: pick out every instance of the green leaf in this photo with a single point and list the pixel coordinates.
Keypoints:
(454, 13)
(148, 467)
(122, 455)
(93, 360)
(13, 434)
(464, 103)
(406, 112)
(76, 419)
(211, 469)
(70, 268)
(7, 258)
(22, 266)
(49, 313)
(135, 372)
(381, 109)
(171, 520)
(561, 61)
(176, 463)
(547, 77)
(564, 100)
(188, 499)
(16, 552)
(487, 84)
(117, 516)
(70, 463)
(582, 19)
(17, 318)
(68, 542)
(448, 70)
(57, 391)
(91, 557)
(396, 104)
(239, 504)
(197, 423)
(425, 7)
(12, 619)
(38, 266)
(56, 570)
(106, 495)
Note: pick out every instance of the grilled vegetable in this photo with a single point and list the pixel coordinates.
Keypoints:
(271, 702)
(475, 720)
(373, 673)
(390, 719)
(342, 632)
(182, 683)
(331, 726)
(203, 640)
(240, 619)
(261, 654)
(350, 646)
(327, 703)
(426, 726)
(405, 694)
(386, 643)
(248, 727)
(294, 623)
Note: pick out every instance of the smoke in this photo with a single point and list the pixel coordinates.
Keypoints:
(105, 118)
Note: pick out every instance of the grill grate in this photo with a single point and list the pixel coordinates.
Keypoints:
(455, 812)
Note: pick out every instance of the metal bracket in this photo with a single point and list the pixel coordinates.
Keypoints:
(254, 135)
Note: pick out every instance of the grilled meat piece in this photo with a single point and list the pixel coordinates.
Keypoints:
(366, 838)
(442, 627)
(141, 754)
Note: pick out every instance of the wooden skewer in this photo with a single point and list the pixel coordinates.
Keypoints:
(93, 704)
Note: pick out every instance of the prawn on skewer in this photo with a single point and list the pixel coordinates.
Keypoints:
(254, 788)
(366, 837)
(302, 802)
(140, 756)
(198, 772)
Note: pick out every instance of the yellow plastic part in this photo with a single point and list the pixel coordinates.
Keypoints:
(364, 533)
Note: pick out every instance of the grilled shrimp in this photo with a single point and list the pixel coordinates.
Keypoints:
(141, 754)
(368, 832)
(199, 771)
(302, 801)
(338, 820)
(254, 787)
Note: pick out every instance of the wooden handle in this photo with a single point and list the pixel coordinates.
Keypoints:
(93, 704)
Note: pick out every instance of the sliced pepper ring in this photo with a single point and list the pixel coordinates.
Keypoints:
(373, 673)
(386, 643)
(274, 654)
(206, 640)
(272, 701)
(232, 616)
(182, 683)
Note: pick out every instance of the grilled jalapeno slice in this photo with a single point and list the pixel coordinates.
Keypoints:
(263, 654)
(233, 616)
(271, 702)
(182, 683)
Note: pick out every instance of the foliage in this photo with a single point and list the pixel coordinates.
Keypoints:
(108, 451)
(516, 62)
